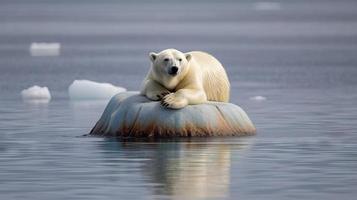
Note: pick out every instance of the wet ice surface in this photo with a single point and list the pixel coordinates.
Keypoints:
(300, 57)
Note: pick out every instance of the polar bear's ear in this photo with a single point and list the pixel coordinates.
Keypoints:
(188, 56)
(153, 56)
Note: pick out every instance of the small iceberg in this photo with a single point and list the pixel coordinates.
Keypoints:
(36, 93)
(267, 6)
(45, 49)
(129, 114)
(258, 98)
(90, 90)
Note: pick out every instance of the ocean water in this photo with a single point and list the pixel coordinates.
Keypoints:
(300, 55)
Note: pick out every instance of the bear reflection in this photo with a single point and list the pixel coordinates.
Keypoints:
(187, 169)
(184, 169)
(191, 170)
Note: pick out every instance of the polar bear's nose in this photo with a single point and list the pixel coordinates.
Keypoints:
(174, 69)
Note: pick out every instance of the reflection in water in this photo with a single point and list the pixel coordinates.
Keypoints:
(199, 172)
(185, 168)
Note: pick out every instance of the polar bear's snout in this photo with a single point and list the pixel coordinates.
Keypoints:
(173, 70)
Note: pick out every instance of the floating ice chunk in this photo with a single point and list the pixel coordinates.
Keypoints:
(36, 93)
(45, 49)
(128, 109)
(90, 90)
(267, 6)
(258, 98)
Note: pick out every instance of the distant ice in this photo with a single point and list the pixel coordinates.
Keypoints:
(258, 98)
(36, 93)
(267, 6)
(45, 49)
(90, 90)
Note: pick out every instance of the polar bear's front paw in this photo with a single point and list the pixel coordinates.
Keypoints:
(156, 96)
(173, 102)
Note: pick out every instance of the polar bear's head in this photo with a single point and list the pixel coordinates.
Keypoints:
(169, 62)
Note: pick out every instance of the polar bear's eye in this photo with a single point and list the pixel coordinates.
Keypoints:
(166, 60)
(180, 59)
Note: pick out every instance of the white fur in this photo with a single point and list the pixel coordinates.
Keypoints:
(200, 78)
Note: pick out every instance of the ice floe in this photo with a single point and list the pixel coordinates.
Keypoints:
(258, 98)
(36, 93)
(45, 49)
(90, 90)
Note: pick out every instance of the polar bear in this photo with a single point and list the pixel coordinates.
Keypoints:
(179, 79)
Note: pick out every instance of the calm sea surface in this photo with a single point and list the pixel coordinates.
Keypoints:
(300, 55)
